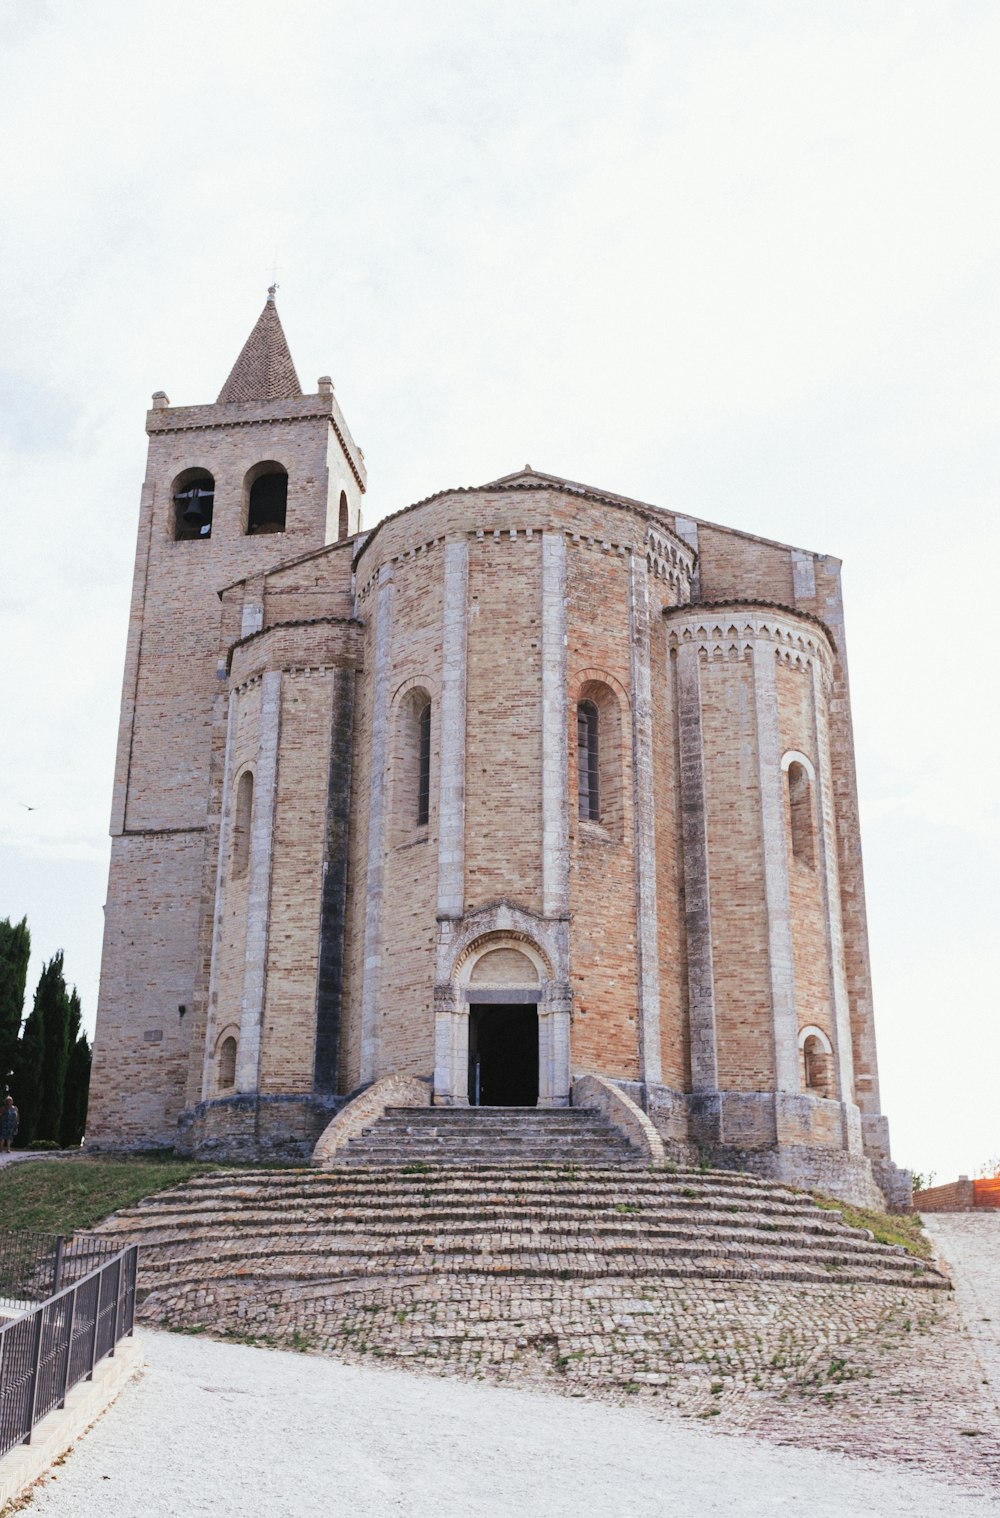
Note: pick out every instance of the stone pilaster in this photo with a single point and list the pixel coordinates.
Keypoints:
(555, 765)
(775, 855)
(644, 815)
(375, 875)
(451, 729)
(830, 877)
(220, 879)
(697, 900)
(259, 893)
(330, 974)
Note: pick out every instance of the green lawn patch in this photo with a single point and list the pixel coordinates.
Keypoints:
(62, 1196)
(888, 1227)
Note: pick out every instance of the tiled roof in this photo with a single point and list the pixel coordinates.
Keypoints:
(264, 370)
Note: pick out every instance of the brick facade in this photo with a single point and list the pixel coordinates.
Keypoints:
(326, 882)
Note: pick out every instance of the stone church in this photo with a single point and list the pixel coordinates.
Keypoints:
(527, 782)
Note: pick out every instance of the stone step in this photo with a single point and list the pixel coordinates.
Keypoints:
(635, 1265)
(458, 1135)
(550, 1251)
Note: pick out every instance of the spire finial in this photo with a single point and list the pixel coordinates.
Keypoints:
(272, 291)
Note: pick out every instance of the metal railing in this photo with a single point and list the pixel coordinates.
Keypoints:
(49, 1350)
(34, 1266)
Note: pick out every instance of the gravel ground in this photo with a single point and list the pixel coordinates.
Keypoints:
(225, 1429)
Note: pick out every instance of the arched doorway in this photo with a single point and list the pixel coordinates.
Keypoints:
(503, 993)
(503, 1055)
(502, 1023)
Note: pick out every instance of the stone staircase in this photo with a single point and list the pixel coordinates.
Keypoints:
(491, 1136)
(295, 1232)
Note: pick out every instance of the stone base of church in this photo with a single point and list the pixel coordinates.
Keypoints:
(255, 1128)
(803, 1141)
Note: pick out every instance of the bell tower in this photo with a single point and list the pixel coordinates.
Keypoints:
(262, 476)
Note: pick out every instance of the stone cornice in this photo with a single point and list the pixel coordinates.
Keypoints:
(649, 514)
(309, 408)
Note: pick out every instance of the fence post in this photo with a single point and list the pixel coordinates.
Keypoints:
(69, 1345)
(36, 1357)
(97, 1320)
(57, 1268)
(118, 1307)
(133, 1276)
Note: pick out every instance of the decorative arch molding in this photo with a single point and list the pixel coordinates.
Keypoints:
(425, 683)
(499, 921)
(537, 968)
(813, 1032)
(793, 756)
(581, 678)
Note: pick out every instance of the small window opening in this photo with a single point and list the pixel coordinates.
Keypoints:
(342, 523)
(816, 1063)
(194, 500)
(241, 824)
(801, 810)
(227, 1064)
(267, 504)
(424, 771)
(588, 761)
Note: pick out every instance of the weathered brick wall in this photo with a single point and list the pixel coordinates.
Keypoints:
(602, 854)
(157, 943)
(739, 913)
(956, 1196)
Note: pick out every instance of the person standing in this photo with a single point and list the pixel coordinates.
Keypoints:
(9, 1119)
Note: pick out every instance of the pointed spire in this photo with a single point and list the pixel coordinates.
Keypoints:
(264, 370)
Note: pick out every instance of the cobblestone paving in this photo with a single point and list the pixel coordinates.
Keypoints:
(880, 1371)
(969, 1242)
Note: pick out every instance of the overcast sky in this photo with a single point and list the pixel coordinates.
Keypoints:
(738, 259)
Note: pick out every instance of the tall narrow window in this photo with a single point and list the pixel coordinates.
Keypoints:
(241, 824)
(342, 524)
(267, 498)
(588, 762)
(801, 813)
(816, 1067)
(227, 1064)
(424, 770)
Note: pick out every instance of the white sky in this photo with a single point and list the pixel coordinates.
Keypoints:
(738, 259)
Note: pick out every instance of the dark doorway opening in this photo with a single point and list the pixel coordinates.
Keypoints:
(503, 1056)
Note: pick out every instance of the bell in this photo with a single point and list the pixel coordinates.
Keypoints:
(194, 513)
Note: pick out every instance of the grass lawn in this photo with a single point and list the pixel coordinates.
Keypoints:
(61, 1196)
(888, 1227)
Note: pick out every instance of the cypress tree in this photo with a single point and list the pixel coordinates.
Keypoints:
(75, 1092)
(55, 1045)
(15, 949)
(26, 1086)
(42, 1057)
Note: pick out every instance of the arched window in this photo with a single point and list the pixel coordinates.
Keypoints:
(242, 815)
(816, 1066)
(800, 807)
(588, 761)
(424, 768)
(227, 1064)
(411, 764)
(342, 522)
(267, 498)
(193, 501)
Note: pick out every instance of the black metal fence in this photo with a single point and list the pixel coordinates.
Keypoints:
(34, 1266)
(48, 1350)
